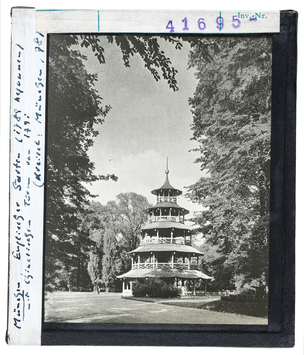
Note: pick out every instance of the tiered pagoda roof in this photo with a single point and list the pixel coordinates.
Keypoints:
(165, 250)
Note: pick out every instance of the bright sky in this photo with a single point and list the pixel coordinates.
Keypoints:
(148, 122)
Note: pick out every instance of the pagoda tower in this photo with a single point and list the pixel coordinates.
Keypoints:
(165, 249)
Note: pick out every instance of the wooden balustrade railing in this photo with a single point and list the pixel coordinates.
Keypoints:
(168, 265)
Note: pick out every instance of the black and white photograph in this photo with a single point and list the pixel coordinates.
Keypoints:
(157, 179)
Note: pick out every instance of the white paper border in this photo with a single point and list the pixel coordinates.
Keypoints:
(4, 142)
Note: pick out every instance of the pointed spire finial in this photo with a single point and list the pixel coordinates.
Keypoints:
(167, 169)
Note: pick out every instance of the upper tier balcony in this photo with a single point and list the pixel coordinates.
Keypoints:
(172, 199)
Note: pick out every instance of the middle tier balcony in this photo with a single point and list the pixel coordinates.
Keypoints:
(165, 240)
(178, 219)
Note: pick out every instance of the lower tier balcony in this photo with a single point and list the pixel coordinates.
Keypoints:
(165, 266)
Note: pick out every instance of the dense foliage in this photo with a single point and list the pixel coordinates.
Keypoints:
(231, 123)
(103, 244)
(156, 288)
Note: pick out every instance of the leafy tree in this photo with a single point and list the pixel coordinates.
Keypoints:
(131, 210)
(149, 49)
(74, 107)
(231, 123)
(122, 222)
(94, 223)
(111, 232)
(94, 269)
(109, 260)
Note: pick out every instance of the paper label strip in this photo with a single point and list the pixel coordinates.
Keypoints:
(181, 21)
(28, 81)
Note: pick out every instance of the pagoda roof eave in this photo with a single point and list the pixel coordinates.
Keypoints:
(164, 187)
(168, 205)
(182, 274)
(166, 225)
(182, 248)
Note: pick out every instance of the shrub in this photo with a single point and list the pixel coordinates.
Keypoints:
(156, 288)
(246, 297)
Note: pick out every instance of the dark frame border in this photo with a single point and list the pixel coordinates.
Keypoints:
(280, 330)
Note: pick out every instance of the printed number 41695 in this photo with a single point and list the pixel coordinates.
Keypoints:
(201, 24)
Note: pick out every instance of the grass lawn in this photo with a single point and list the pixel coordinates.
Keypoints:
(87, 307)
(253, 309)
